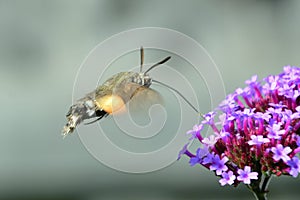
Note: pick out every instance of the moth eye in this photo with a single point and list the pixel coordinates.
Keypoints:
(111, 104)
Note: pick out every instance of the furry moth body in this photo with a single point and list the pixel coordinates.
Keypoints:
(110, 97)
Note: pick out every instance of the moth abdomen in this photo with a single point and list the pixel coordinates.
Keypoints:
(81, 110)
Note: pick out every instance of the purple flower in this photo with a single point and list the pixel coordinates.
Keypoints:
(249, 112)
(224, 134)
(218, 164)
(195, 132)
(281, 153)
(296, 94)
(287, 69)
(298, 141)
(228, 104)
(227, 178)
(274, 131)
(290, 115)
(239, 91)
(201, 153)
(183, 151)
(252, 80)
(208, 159)
(210, 141)
(270, 86)
(278, 105)
(294, 164)
(246, 175)
(208, 118)
(246, 112)
(222, 118)
(265, 116)
(258, 140)
(285, 90)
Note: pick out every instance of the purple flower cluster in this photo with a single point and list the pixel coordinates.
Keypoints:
(258, 131)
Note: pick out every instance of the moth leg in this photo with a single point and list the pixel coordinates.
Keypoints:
(93, 121)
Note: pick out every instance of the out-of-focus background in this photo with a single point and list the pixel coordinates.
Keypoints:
(43, 43)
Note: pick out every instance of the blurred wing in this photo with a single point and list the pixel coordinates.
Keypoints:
(138, 99)
(143, 99)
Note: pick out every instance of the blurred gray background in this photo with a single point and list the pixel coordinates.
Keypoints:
(43, 43)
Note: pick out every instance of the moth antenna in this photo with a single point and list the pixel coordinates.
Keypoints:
(185, 99)
(159, 63)
(142, 59)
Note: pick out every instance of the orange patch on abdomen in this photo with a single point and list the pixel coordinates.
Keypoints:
(112, 104)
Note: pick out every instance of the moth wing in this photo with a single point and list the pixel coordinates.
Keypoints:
(143, 99)
(138, 99)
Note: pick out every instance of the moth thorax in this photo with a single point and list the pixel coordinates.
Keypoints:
(112, 104)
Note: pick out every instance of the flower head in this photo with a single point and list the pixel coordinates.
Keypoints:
(258, 131)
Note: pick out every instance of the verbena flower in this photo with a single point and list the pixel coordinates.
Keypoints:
(258, 134)
(280, 153)
(246, 175)
(294, 164)
(227, 178)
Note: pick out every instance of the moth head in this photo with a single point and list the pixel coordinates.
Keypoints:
(142, 79)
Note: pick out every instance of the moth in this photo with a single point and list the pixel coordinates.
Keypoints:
(112, 96)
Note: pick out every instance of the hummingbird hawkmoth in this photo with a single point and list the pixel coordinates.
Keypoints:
(112, 96)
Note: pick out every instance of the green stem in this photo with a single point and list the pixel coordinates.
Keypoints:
(260, 192)
(260, 195)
